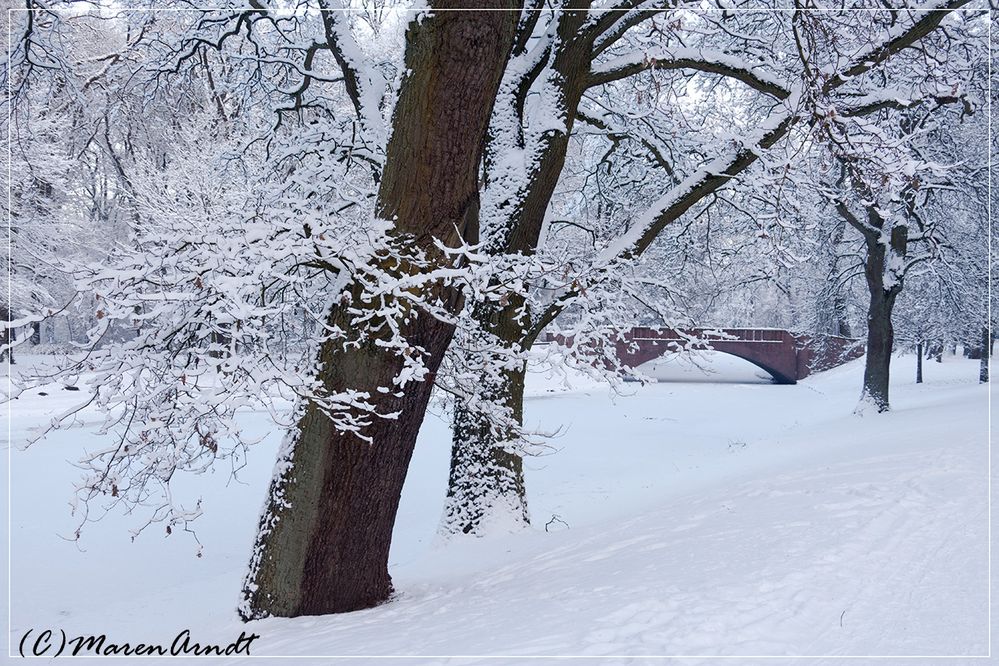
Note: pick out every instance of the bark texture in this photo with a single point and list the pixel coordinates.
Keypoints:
(324, 536)
(880, 341)
(486, 482)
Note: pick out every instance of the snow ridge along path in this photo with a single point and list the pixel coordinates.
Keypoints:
(703, 519)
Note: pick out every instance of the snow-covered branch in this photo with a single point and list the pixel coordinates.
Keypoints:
(714, 62)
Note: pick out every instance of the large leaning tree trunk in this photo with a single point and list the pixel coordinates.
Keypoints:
(323, 540)
(884, 283)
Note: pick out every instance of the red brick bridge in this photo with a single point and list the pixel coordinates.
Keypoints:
(786, 356)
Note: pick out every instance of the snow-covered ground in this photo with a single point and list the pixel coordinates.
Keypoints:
(686, 518)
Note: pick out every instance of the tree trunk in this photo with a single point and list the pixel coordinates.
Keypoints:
(842, 320)
(486, 484)
(919, 363)
(883, 288)
(324, 536)
(8, 336)
(220, 342)
(832, 314)
(983, 372)
(477, 499)
(880, 340)
(880, 332)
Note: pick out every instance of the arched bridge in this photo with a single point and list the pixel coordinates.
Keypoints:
(786, 356)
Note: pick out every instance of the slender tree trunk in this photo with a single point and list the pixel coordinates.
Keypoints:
(983, 372)
(324, 536)
(842, 321)
(919, 363)
(832, 308)
(8, 336)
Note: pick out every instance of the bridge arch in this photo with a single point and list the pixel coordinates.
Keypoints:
(773, 351)
(717, 366)
(784, 356)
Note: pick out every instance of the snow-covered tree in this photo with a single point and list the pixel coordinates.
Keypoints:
(310, 203)
(785, 89)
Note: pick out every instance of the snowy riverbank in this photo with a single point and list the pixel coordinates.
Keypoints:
(693, 518)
